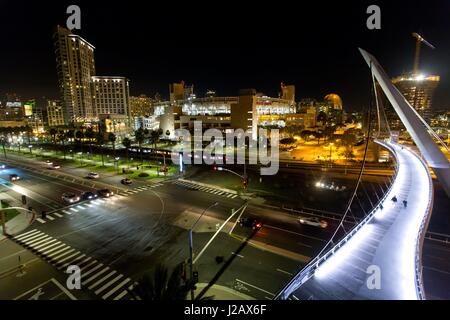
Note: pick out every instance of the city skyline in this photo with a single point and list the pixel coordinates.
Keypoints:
(262, 61)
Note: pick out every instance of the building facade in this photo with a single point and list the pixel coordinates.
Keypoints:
(55, 113)
(140, 106)
(75, 66)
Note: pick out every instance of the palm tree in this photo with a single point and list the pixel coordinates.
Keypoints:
(155, 134)
(100, 140)
(3, 132)
(62, 136)
(79, 135)
(53, 133)
(90, 135)
(139, 136)
(127, 144)
(112, 138)
(161, 286)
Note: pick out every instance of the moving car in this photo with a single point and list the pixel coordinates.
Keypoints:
(93, 175)
(55, 166)
(49, 162)
(126, 181)
(88, 195)
(69, 197)
(313, 221)
(250, 223)
(14, 177)
(2, 166)
(105, 193)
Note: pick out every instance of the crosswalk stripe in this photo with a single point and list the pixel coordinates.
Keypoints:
(38, 239)
(80, 207)
(121, 295)
(30, 237)
(108, 284)
(71, 261)
(107, 295)
(95, 284)
(95, 276)
(67, 212)
(65, 252)
(40, 220)
(73, 209)
(221, 193)
(66, 258)
(44, 241)
(57, 214)
(24, 234)
(59, 246)
(59, 249)
(50, 218)
(90, 264)
(46, 245)
(22, 237)
(234, 196)
(229, 195)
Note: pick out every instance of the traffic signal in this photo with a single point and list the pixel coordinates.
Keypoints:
(245, 182)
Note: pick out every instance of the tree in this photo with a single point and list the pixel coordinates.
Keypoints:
(127, 144)
(160, 286)
(90, 135)
(100, 140)
(79, 135)
(112, 138)
(155, 134)
(62, 136)
(322, 117)
(139, 136)
(53, 132)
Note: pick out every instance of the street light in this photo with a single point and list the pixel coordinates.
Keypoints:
(29, 147)
(244, 177)
(191, 267)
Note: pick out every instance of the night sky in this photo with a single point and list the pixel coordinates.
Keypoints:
(228, 45)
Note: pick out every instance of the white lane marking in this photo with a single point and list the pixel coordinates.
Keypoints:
(90, 205)
(40, 220)
(295, 297)
(285, 272)
(50, 218)
(73, 209)
(229, 195)
(95, 284)
(80, 207)
(57, 214)
(250, 285)
(221, 193)
(95, 276)
(234, 196)
(108, 284)
(107, 295)
(67, 212)
(239, 255)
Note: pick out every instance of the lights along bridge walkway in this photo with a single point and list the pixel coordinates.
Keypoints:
(389, 238)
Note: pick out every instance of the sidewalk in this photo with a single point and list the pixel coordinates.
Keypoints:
(17, 224)
(218, 292)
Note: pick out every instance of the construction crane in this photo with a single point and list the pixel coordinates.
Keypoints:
(419, 40)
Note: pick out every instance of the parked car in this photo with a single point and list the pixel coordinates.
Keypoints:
(250, 223)
(93, 175)
(126, 181)
(105, 193)
(313, 221)
(14, 177)
(69, 197)
(88, 195)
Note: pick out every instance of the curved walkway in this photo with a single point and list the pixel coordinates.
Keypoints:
(390, 242)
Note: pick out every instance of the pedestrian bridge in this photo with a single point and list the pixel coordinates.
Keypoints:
(381, 257)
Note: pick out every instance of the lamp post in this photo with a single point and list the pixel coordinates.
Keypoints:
(243, 177)
(191, 267)
(116, 160)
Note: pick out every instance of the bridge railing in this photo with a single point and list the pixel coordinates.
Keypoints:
(308, 271)
(421, 236)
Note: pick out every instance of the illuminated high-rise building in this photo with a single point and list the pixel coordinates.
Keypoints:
(288, 92)
(75, 66)
(418, 90)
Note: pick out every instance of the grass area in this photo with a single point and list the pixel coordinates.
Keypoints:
(9, 213)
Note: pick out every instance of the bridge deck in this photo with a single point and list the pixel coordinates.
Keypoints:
(387, 241)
